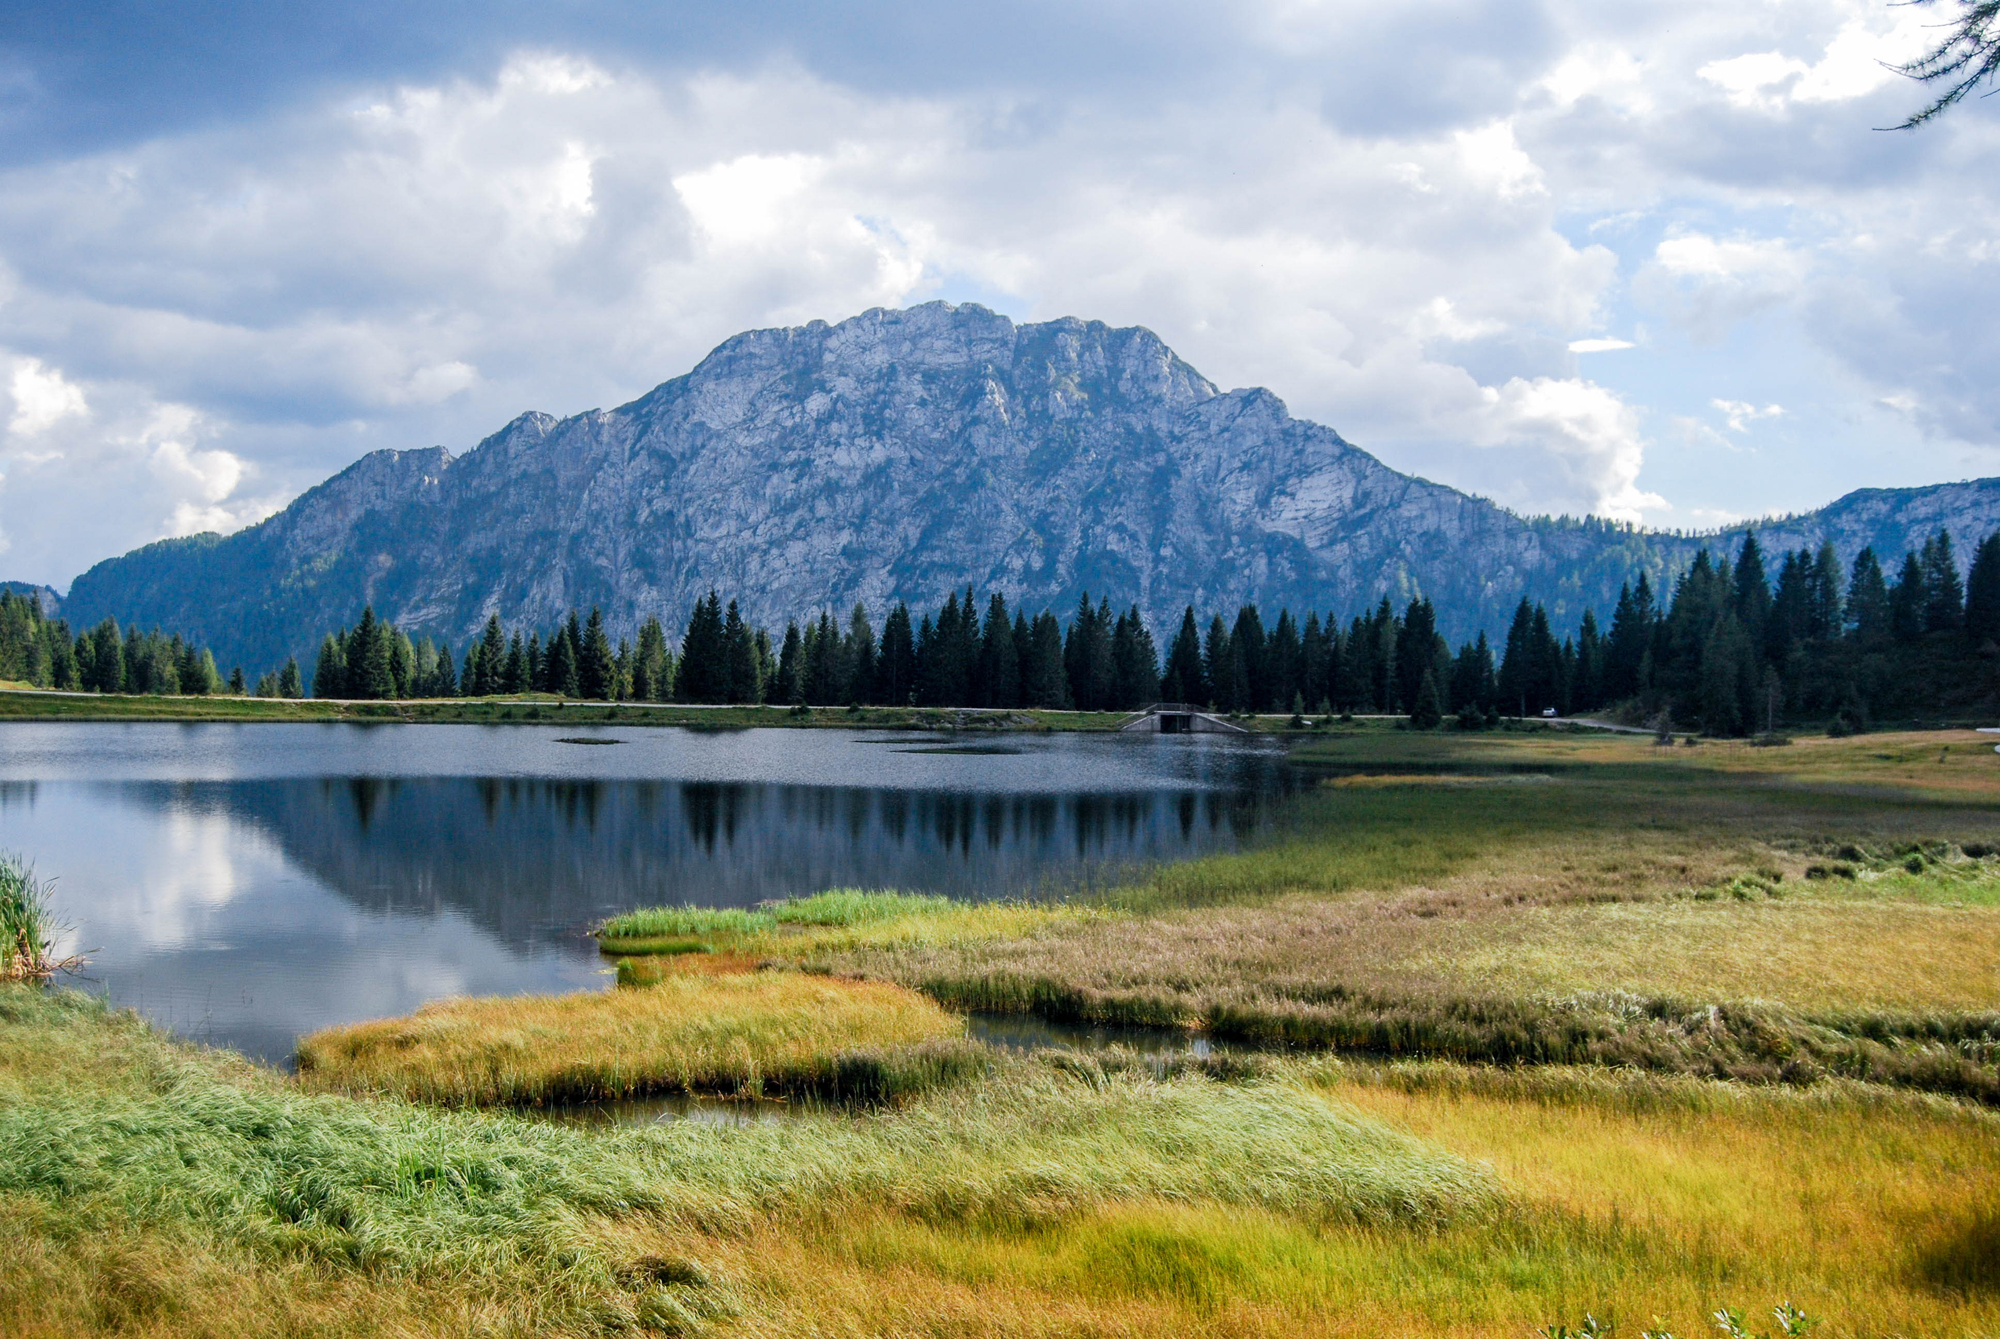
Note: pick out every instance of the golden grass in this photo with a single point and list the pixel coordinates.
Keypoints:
(1809, 953)
(690, 1032)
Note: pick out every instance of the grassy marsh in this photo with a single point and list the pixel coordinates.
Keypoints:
(1817, 915)
(742, 1033)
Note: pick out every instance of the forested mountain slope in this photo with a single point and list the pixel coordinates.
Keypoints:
(898, 455)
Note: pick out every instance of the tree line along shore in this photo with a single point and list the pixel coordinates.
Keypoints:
(1732, 650)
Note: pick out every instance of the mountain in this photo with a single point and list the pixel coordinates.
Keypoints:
(52, 603)
(898, 455)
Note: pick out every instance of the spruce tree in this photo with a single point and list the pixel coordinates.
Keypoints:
(896, 665)
(788, 689)
(860, 656)
(1135, 663)
(516, 679)
(1517, 669)
(1184, 680)
(1047, 683)
(1283, 663)
(1426, 712)
(236, 684)
(1751, 597)
(1870, 618)
(1024, 651)
(740, 659)
(1316, 661)
(1907, 601)
(1587, 692)
(1982, 594)
(596, 674)
(1413, 649)
(703, 665)
(1944, 596)
(444, 680)
(1215, 665)
(1823, 596)
(330, 673)
(649, 662)
(1246, 646)
(564, 681)
(999, 675)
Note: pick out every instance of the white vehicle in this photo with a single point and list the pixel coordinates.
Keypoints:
(1548, 712)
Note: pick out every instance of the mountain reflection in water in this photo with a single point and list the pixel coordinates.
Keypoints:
(239, 888)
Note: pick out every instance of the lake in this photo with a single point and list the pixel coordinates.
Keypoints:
(243, 884)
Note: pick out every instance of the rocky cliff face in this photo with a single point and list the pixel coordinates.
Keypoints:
(898, 455)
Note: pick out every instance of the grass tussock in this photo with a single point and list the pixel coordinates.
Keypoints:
(749, 1034)
(28, 926)
(838, 919)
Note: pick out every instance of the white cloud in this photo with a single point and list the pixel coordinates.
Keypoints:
(403, 265)
(42, 398)
(1589, 435)
(1740, 414)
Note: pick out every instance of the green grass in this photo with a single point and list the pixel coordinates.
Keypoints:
(837, 919)
(533, 708)
(145, 1185)
(28, 925)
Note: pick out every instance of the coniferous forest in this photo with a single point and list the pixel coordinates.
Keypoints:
(1742, 643)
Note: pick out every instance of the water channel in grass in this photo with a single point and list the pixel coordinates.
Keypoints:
(245, 884)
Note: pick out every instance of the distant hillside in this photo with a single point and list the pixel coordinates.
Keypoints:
(897, 455)
(51, 602)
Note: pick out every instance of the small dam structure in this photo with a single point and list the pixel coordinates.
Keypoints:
(1180, 718)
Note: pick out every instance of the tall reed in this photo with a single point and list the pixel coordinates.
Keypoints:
(28, 926)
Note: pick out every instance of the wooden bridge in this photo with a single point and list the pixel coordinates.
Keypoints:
(1180, 718)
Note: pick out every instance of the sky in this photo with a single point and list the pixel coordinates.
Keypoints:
(1646, 261)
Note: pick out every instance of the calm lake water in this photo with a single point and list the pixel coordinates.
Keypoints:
(243, 884)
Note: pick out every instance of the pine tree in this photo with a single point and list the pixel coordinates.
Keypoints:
(740, 659)
(649, 663)
(1184, 680)
(896, 666)
(330, 674)
(1944, 596)
(788, 688)
(860, 656)
(596, 674)
(1427, 712)
(564, 680)
(1316, 644)
(289, 685)
(1823, 596)
(1413, 649)
(1751, 597)
(538, 663)
(516, 679)
(1982, 594)
(1907, 601)
(703, 670)
(999, 659)
(1283, 661)
(1517, 671)
(1587, 692)
(1869, 613)
(1216, 659)
(1047, 682)
(373, 677)
(1135, 666)
(444, 681)
(1247, 652)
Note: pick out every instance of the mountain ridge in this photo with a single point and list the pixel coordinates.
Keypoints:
(900, 454)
